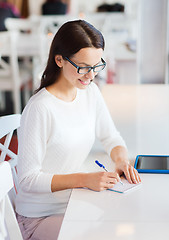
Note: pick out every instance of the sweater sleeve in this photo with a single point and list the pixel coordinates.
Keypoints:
(32, 140)
(105, 127)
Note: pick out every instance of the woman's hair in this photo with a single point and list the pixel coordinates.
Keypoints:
(69, 39)
(53, 1)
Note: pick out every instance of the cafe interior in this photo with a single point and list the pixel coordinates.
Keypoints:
(132, 53)
(134, 83)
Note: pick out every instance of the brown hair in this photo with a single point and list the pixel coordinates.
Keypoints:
(69, 39)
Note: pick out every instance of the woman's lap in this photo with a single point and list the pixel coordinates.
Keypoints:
(44, 228)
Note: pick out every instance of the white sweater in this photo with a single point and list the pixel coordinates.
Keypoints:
(55, 137)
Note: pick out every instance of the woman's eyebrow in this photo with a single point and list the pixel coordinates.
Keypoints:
(88, 64)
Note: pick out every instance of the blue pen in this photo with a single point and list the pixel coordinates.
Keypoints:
(101, 165)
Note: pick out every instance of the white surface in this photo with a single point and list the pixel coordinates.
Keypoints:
(140, 214)
(5, 173)
(7, 214)
(141, 114)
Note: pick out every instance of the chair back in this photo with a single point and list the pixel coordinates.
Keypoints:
(8, 49)
(28, 35)
(8, 223)
(7, 126)
(31, 43)
(9, 69)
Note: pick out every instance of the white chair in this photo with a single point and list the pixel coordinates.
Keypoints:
(9, 70)
(31, 42)
(9, 228)
(28, 36)
(13, 75)
(7, 126)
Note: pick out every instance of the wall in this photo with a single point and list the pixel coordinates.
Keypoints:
(152, 41)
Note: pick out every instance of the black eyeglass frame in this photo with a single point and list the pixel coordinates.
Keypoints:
(89, 68)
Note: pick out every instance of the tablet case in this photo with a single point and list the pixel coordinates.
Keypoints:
(150, 170)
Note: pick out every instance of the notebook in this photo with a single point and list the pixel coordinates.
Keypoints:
(118, 187)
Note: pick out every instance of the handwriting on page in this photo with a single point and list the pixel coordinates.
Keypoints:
(118, 187)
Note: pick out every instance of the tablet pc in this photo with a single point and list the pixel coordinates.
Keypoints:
(152, 164)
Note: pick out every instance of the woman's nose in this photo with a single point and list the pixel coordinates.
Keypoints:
(90, 75)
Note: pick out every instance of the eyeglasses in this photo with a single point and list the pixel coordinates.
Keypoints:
(85, 70)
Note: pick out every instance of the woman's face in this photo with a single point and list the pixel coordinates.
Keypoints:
(86, 57)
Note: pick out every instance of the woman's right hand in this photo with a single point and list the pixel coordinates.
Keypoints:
(100, 181)
(97, 181)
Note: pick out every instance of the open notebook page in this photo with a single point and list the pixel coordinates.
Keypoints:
(118, 187)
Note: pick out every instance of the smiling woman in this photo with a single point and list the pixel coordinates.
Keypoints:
(69, 40)
(57, 131)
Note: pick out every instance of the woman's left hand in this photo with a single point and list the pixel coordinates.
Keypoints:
(129, 171)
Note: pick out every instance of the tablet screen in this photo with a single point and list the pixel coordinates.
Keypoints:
(153, 162)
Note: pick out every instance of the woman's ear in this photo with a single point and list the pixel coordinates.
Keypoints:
(59, 60)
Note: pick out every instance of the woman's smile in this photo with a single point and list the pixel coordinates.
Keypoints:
(86, 82)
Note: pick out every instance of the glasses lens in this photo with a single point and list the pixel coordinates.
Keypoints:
(99, 68)
(84, 70)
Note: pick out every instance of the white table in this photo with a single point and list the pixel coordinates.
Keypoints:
(141, 114)
(140, 214)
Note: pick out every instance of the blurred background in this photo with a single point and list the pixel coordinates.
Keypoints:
(135, 31)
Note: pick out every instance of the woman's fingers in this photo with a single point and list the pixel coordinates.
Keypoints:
(109, 185)
(137, 176)
(134, 175)
(114, 175)
(127, 174)
(130, 173)
(111, 179)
